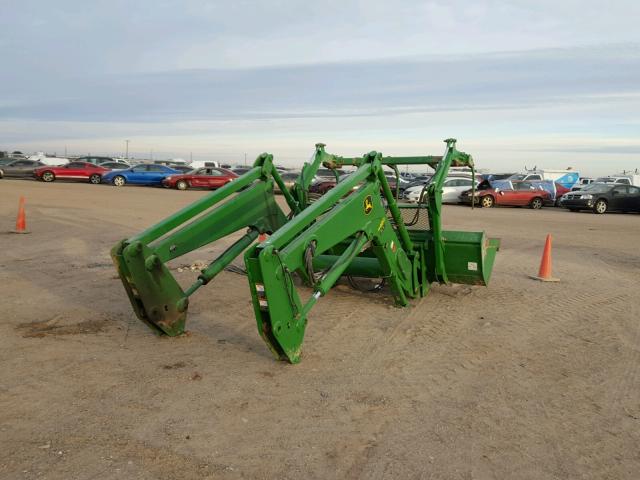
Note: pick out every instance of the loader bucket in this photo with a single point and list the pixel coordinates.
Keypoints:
(469, 257)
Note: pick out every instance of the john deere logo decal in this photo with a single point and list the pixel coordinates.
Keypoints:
(368, 205)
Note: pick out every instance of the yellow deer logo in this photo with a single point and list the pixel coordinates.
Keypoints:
(368, 205)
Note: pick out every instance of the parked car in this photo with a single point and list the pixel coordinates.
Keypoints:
(147, 174)
(452, 188)
(498, 176)
(201, 178)
(95, 160)
(47, 160)
(197, 164)
(115, 165)
(19, 168)
(327, 173)
(408, 176)
(177, 162)
(288, 178)
(621, 180)
(420, 180)
(71, 171)
(517, 194)
(182, 168)
(567, 177)
(240, 170)
(391, 178)
(555, 190)
(582, 182)
(524, 177)
(603, 197)
(322, 185)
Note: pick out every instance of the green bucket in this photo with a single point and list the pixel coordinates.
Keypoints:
(469, 257)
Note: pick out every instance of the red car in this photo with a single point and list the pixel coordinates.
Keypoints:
(523, 194)
(208, 177)
(71, 171)
(323, 185)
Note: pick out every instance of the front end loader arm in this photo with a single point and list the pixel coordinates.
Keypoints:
(451, 157)
(156, 297)
(357, 228)
(359, 220)
(300, 189)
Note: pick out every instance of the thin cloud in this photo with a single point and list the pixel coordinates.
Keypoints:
(388, 87)
(526, 82)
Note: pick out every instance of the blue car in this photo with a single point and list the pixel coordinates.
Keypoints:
(139, 175)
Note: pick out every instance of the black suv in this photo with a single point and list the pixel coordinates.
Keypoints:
(603, 197)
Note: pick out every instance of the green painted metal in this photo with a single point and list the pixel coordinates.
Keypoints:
(300, 189)
(280, 313)
(357, 228)
(155, 295)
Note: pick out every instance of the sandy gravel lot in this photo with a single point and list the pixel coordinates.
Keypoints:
(520, 380)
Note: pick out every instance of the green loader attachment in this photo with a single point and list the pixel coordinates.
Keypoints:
(359, 229)
(156, 297)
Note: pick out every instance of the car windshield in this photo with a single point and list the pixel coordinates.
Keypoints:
(517, 177)
(597, 188)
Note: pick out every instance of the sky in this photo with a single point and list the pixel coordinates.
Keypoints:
(519, 84)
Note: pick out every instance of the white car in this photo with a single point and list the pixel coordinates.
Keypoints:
(582, 182)
(451, 190)
(47, 160)
(620, 180)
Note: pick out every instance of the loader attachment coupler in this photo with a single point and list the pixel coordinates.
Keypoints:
(358, 228)
(156, 297)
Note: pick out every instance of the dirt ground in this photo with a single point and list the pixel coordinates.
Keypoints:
(520, 380)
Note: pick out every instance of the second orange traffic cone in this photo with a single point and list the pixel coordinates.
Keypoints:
(21, 221)
(544, 274)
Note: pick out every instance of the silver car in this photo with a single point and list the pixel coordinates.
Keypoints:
(451, 190)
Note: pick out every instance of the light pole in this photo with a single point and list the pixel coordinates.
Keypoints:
(127, 147)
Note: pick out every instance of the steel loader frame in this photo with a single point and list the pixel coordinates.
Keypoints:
(156, 297)
(359, 229)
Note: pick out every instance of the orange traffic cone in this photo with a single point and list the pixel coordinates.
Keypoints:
(21, 221)
(262, 237)
(544, 274)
